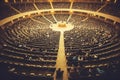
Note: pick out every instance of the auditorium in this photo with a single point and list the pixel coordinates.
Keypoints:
(59, 39)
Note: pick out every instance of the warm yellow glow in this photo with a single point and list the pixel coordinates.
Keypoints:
(71, 11)
(39, 13)
(23, 16)
(51, 4)
(52, 11)
(108, 0)
(61, 58)
(61, 26)
(71, 0)
(6, 1)
(50, 0)
(35, 6)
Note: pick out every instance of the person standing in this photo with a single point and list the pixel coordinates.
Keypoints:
(59, 74)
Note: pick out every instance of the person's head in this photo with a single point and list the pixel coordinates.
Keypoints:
(59, 69)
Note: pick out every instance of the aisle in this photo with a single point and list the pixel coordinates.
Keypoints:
(61, 58)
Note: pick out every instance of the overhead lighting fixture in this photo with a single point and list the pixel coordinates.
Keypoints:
(52, 11)
(71, 11)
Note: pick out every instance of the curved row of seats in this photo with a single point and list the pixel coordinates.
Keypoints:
(30, 47)
(22, 57)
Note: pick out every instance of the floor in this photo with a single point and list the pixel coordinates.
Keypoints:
(61, 58)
